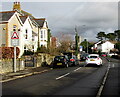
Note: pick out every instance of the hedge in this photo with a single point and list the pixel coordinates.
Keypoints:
(8, 52)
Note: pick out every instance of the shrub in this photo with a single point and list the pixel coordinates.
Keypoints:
(8, 52)
(28, 53)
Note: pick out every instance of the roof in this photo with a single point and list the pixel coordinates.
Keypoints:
(40, 21)
(34, 34)
(6, 15)
(27, 14)
(23, 18)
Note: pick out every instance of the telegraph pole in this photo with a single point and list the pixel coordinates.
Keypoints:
(76, 42)
(87, 46)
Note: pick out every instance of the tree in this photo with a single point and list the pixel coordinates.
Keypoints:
(117, 46)
(42, 49)
(117, 33)
(86, 45)
(111, 36)
(49, 35)
(101, 35)
(65, 44)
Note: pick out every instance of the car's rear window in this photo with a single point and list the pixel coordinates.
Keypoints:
(93, 57)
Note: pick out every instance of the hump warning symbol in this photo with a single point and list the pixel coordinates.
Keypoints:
(15, 35)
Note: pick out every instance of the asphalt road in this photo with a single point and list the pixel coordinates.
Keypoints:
(78, 80)
(112, 84)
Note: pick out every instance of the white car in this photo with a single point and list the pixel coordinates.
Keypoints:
(94, 59)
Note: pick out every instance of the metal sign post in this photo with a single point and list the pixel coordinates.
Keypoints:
(14, 58)
(15, 42)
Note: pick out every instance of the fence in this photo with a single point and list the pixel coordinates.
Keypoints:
(30, 61)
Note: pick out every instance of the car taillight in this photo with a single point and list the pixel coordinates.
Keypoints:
(72, 59)
(98, 58)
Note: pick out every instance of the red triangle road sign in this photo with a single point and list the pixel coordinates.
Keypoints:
(15, 35)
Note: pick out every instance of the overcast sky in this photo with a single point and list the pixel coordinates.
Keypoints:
(88, 17)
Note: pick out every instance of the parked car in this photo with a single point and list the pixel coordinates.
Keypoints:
(73, 61)
(60, 61)
(94, 59)
(83, 56)
(103, 54)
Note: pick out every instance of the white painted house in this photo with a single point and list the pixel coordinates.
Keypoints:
(30, 37)
(104, 46)
(43, 34)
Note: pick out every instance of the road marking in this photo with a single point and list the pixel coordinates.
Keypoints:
(113, 65)
(77, 69)
(62, 76)
(66, 74)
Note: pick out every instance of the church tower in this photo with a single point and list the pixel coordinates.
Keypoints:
(16, 6)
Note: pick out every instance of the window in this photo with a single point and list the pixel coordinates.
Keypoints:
(44, 34)
(25, 48)
(14, 26)
(14, 29)
(26, 34)
(41, 34)
(33, 38)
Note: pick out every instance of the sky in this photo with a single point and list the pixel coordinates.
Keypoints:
(88, 17)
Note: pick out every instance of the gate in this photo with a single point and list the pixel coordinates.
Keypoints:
(30, 61)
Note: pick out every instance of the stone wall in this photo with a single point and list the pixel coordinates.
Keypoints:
(44, 59)
(6, 65)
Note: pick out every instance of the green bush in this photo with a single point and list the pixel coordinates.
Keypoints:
(28, 53)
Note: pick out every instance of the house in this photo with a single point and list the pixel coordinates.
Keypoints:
(30, 37)
(43, 34)
(53, 42)
(10, 21)
(104, 46)
(32, 32)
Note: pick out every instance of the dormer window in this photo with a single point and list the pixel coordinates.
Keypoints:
(14, 26)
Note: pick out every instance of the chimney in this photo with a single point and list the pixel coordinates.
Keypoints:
(16, 6)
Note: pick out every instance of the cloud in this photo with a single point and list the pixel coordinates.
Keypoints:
(62, 17)
(95, 16)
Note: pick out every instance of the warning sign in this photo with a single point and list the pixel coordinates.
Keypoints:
(15, 39)
(15, 35)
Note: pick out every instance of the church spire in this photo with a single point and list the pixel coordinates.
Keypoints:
(16, 6)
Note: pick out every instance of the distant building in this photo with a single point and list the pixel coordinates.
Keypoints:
(53, 42)
(104, 46)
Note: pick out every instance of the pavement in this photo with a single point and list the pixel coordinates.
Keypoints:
(23, 73)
